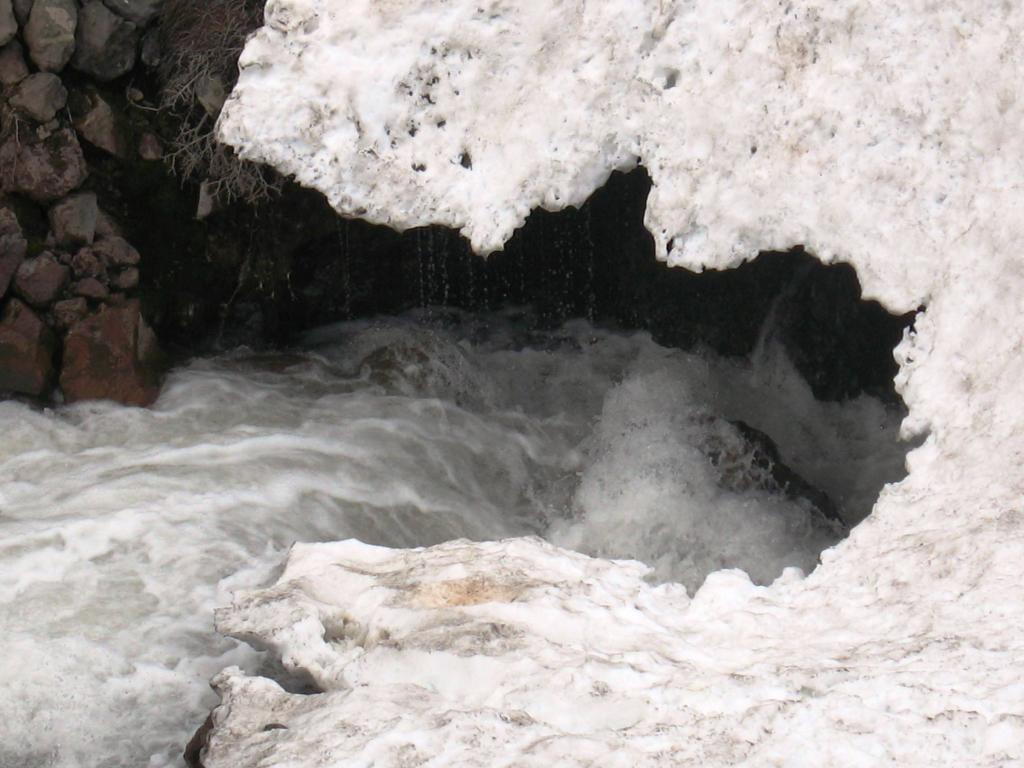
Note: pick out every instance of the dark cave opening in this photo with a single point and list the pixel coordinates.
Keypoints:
(597, 262)
(759, 440)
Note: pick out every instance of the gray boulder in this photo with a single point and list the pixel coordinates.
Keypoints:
(50, 33)
(22, 8)
(13, 68)
(105, 44)
(211, 92)
(40, 96)
(140, 12)
(73, 219)
(152, 52)
(8, 24)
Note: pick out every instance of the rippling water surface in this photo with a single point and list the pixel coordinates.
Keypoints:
(121, 529)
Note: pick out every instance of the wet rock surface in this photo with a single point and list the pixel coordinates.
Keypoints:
(26, 351)
(112, 355)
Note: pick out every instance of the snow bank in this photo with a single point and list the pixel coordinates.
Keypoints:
(884, 134)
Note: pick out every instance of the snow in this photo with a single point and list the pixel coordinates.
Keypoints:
(886, 135)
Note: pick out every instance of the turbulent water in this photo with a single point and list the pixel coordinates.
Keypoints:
(121, 529)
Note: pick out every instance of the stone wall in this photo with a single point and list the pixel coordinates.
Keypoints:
(71, 321)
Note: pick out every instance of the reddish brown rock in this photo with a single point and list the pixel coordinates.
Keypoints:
(12, 254)
(106, 226)
(112, 355)
(127, 280)
(12, 249)
(101, 126)
(85, 263)
(26, 351)
(40, 281)
(68, 312)
(116, 252)
(150, 147)
(73, 219)
(44, 170)
(91, 288)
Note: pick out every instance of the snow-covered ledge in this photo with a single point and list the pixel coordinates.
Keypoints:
(886, 134)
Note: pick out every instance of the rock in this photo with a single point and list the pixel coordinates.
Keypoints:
(40, 96)
(41, 280)
(101, 126)
(12, 248)
(69, 311)
(44, 170)
(194, 749)
(105, 44)
(91, 288)
(141, 12)
(152, 52)
(50, 33)
(128, 280)
(150, 147)
(22, 8)
(211, 93)
(210, 201)
(106, 226)
(776, 477)
(10, 260)
(116, 252)
(9, 222)
(112, 355)
(85, 263)
(13, 68)
(73, 219)
(26, 351)
(8, 24)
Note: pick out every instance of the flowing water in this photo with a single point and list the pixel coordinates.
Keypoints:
(122, 529)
